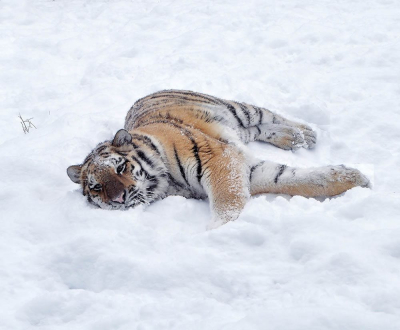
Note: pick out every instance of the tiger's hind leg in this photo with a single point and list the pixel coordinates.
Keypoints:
(269, 177)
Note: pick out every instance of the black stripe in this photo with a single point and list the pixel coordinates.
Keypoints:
(180, 166)
(245, 111)
(195, 151)
(145, 113)
(152, 100)
(174, 183)
(88, 161)
(198, 98)
(146, 174)
(204, 115)
(147, 141)
(169, 117)
(261, 116)
(162, 99)
(270, 135)
(180, 97)
(153, 186)
(148, 118)
(121, 153)
(209, 98)
(257, 110)
(253, 168)
(140, 101)
(232, 109)
(259, 130)
(136, 160)
(89, 157)
(100, 149)
(90, 200)
(142, 155)
(281, 169)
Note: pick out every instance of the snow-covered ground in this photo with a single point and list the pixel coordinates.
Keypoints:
(287, 263)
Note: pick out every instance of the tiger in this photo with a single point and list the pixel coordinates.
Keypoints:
(179, 142)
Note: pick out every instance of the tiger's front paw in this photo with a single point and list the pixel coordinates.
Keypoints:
(310, 136)
(290, 138)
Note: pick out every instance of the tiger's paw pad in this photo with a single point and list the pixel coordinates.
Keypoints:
(297, 140)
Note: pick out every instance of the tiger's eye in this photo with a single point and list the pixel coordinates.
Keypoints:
(97, 187)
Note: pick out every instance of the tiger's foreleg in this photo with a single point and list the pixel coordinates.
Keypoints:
(226, 182)
(267, 126)
(269, 177)
(281, 136)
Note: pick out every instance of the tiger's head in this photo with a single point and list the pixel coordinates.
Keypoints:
(118, 175)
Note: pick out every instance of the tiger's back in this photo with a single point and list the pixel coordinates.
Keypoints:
(185, 108)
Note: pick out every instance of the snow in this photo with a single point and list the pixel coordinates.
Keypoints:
(76, 67)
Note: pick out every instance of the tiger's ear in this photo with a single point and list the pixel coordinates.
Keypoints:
(74, 173)
(121, 138)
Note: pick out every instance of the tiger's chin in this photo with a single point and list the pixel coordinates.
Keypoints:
(118, 206)
(130, 202)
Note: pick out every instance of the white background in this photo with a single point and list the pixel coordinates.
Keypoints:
(76, 67)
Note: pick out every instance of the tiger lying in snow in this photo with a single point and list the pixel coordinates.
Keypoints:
(190, 144)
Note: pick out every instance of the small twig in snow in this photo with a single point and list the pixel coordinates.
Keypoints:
(26, 124)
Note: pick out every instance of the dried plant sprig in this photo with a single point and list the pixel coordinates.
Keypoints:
(26, 124)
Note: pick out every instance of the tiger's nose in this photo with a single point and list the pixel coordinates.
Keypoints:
(120, 198)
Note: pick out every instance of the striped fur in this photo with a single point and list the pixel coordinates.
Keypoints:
(191, 144)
